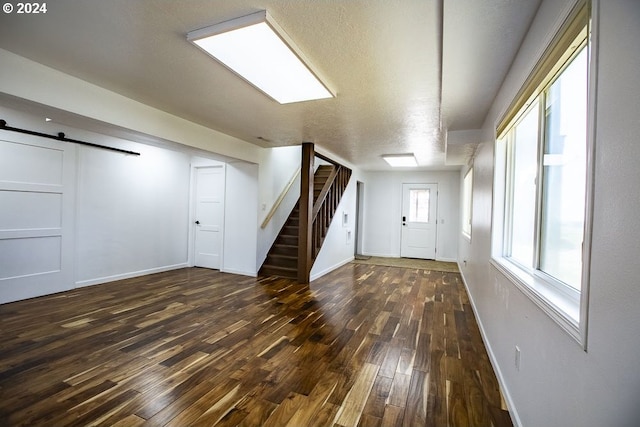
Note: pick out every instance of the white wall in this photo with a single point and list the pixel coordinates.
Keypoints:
(277, 166)
(240, 219)
(383, 211)
(559, 384)
(131, 211)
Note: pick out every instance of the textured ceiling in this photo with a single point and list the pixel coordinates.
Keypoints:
(404, 71)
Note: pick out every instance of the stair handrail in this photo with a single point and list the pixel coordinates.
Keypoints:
(280, 198)
(338, 168)
(323, 193)
(326, 159)
(327, 205)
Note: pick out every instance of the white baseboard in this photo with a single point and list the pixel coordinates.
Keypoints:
(239, 272)
(330, 269)
(100, 280)
(494, 363)
(395, 255)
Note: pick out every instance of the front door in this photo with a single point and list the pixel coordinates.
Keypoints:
(209, 215)
(419, 211)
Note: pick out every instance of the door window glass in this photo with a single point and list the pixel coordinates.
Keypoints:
(419, 205)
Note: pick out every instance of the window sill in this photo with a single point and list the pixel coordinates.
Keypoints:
(562, 307)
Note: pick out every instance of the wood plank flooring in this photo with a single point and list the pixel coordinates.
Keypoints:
(362, 346)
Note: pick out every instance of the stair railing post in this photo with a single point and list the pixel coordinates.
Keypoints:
(306, 210)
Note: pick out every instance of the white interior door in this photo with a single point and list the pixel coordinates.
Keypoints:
(419, 224)
(36, 217)
(209, 216)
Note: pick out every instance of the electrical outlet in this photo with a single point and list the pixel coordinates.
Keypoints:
(517, 358)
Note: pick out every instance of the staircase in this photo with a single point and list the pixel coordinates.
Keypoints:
(282, 259)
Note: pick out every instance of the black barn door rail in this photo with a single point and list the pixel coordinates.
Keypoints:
(62, 137)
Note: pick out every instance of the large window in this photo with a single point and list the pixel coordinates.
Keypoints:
(541, 180)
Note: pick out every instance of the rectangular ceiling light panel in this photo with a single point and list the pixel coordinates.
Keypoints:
(257, 49)
(401, 160)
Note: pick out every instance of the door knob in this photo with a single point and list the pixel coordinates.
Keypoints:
(197, 222)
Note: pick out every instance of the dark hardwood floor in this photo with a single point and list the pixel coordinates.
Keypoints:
(362, 346)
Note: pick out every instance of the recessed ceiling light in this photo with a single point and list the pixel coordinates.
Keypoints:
(257, 49)
(401, 160)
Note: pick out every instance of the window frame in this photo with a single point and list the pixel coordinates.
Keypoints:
(510, 159)
(467, 204)
(567, 306)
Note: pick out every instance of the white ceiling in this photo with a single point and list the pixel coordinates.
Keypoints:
(405, 71)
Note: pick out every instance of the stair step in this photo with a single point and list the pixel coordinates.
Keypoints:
(290, 230)
(281, 249)
(287, 240)
(280, 260)
(269, 270)
(324, 169)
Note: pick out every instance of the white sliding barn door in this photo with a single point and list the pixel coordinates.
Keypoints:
(209, 216)
(36, 216)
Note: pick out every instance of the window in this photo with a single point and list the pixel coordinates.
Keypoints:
(541, 180)
(419, 205)
(523, 141)
(564, 174)
(467, 206)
